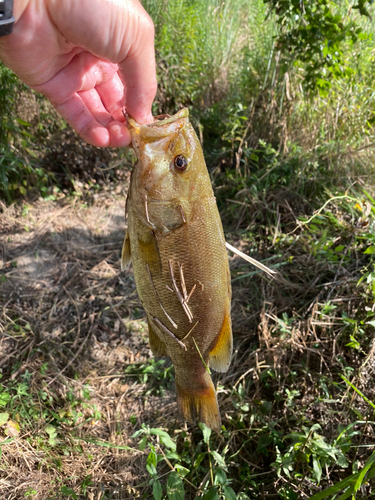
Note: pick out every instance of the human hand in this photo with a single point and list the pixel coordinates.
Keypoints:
(90, 58)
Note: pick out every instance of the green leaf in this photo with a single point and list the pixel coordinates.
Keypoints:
(358, 391)
(370, 250)
(4, 418)
(5, 397)
(22, 122)
(157, 490)
(152, 458)
(211, 494)
(334, 489)
(151, 469)
(183, 471)
(164, 438)
(52, 433)
(317, 468)
(229, 493)
(361, 477)
(137, 433)
(221, 477)
(199, 459)
(142, 443)
(175, 487)
(167, 441)
(206, 432)
(341, 460)
(68, 492)
(219, 459)
(159, 432)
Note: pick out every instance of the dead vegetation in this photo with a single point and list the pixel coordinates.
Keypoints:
(71, 324)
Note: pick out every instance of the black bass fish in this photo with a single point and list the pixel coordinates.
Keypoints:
(176, 243)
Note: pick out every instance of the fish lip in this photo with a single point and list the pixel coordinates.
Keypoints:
(183, 113)
(157, 130)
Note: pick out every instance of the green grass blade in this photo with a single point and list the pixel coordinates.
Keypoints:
(368, 465)
(105, 444)
(7, 441)
(335, 488)
(358, 391)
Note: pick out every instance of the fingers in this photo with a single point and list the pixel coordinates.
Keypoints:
(76, 94)
(118, 133)
(103, 133)
(62, 52)
(83, 72)
(118, 31)
(112, 97)
(138, 72)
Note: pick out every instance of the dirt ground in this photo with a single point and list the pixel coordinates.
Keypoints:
(74, 311)
(70, 320)
(74, 352)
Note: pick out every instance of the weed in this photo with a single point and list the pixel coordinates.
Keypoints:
(293, 176)
(155, 373)
(183, 468)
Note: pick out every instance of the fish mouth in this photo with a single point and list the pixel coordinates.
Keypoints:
(183, 113)
(159, 129)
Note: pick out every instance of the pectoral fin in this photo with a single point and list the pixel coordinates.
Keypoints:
(125, 254)
(220, 354)
(157, 346)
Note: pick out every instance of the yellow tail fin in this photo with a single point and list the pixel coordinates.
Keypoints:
(201, 403)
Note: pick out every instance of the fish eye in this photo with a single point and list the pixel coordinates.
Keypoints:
(180, 162)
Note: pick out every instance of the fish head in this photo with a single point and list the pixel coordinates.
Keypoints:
(171, 171)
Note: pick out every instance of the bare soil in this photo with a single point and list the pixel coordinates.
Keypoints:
(71, 322)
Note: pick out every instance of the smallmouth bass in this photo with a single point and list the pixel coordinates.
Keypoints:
(176, 243)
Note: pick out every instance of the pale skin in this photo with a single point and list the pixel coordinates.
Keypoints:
(92, 59)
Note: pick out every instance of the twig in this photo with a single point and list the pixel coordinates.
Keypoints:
(180, 297)
(168, 332)
(75, 356)
(252, 261)
(119, 317)
(157, 296)
(78, 320)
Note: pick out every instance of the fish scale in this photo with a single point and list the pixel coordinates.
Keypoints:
(173, 221)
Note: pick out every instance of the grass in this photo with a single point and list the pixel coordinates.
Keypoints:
(85, 411)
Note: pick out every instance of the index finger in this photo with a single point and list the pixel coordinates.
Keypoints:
(138, 73)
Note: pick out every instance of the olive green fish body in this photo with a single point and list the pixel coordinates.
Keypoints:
(177, 247)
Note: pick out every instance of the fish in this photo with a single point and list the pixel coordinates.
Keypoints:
(176, 244)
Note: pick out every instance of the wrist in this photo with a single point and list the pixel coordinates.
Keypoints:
(6, 17)
(10, 13)
(19, 7)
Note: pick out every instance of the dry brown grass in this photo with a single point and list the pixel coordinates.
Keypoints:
(71, 322)
(65, 303)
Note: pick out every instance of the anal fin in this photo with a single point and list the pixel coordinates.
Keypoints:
(157, 346)
(221, 353)
(125, 254)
